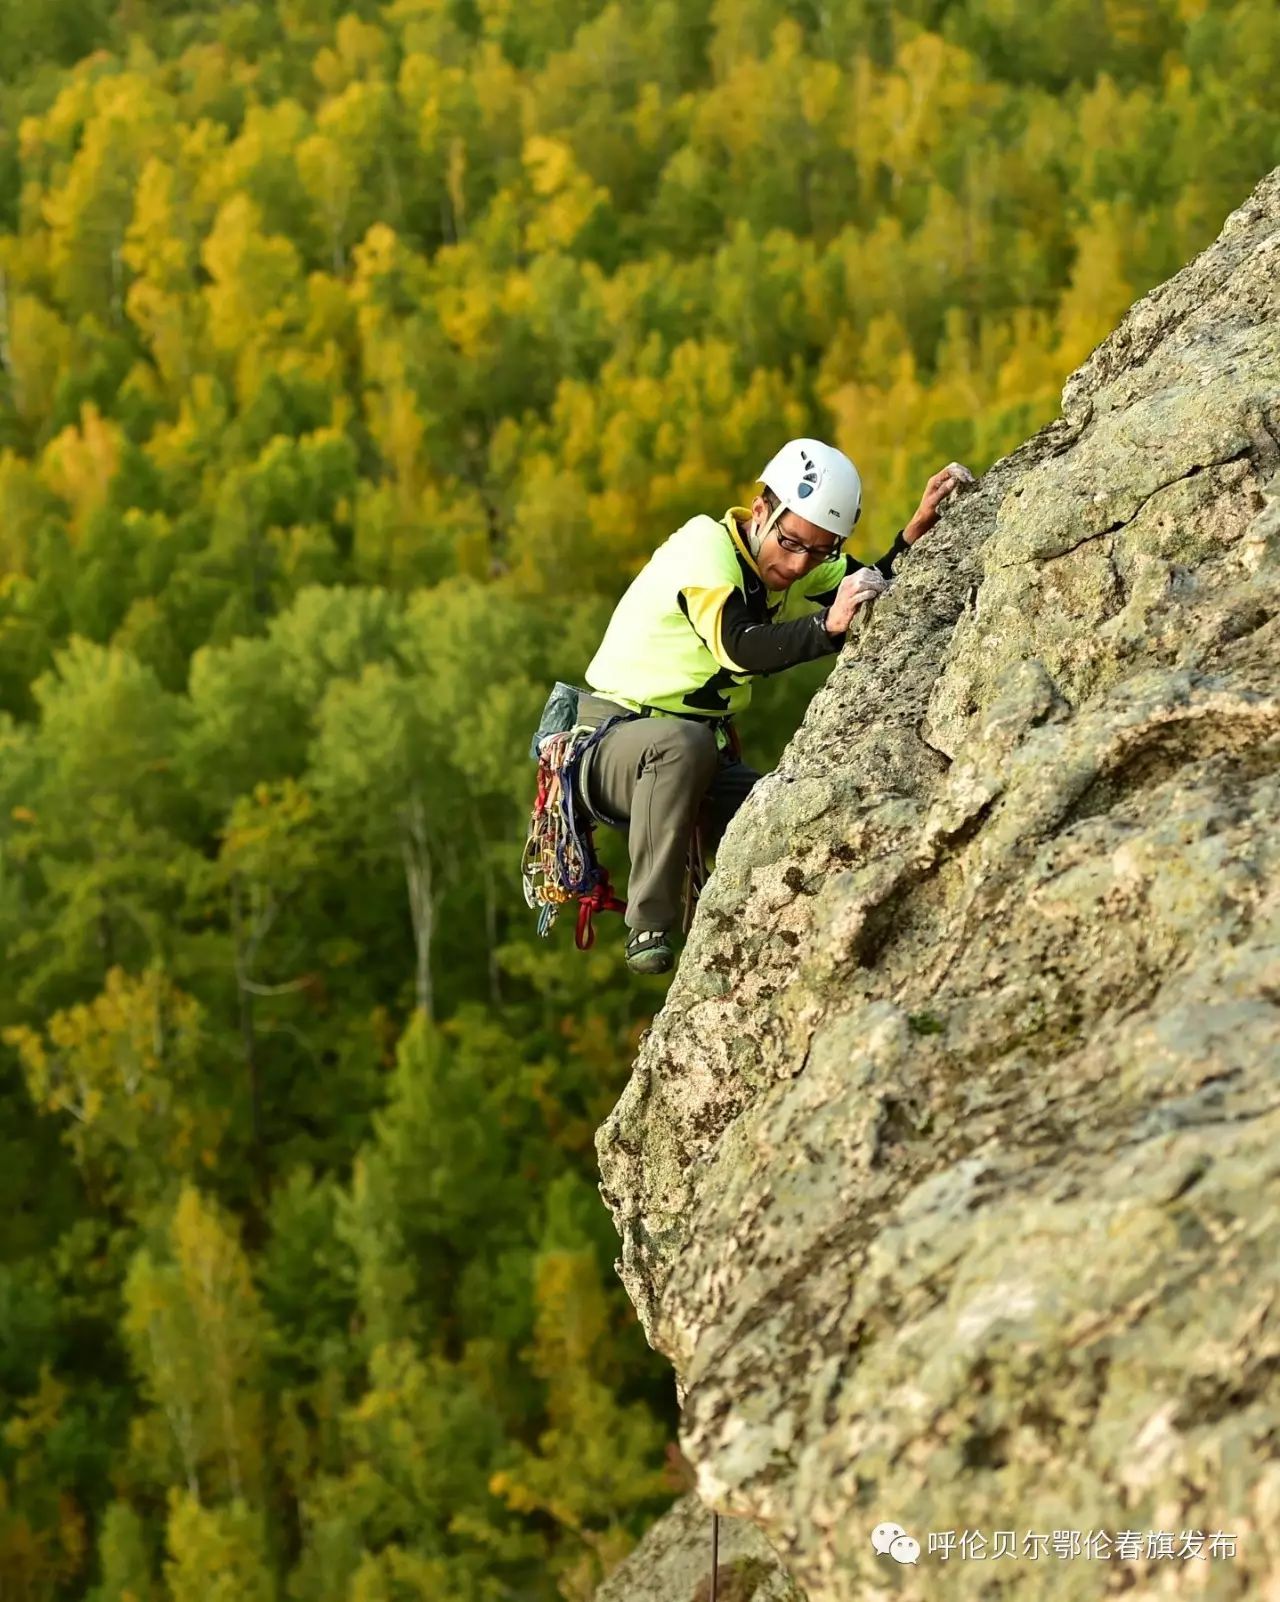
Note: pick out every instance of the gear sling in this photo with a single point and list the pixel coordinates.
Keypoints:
(560, 862)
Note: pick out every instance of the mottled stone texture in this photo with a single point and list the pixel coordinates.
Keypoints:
(673, 1563)
(949, 1176)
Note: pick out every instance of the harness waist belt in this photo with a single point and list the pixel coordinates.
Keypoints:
(594, 709)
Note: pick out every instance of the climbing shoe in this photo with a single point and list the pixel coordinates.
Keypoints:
(649, 951)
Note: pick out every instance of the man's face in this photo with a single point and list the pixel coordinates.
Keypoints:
(779, 562)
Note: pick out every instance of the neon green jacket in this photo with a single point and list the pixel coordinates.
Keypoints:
(671, 640)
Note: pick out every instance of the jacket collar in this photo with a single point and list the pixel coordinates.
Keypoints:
(731, 519)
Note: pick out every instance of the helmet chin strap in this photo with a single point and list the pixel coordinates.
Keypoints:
(757, 536)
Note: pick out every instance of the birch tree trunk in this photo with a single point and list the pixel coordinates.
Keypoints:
(422, 905)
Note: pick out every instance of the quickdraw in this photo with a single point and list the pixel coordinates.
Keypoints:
(560, 862)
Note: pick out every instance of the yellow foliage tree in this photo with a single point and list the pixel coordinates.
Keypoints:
(196, 1333)
(124, 1069)
(79, 464)
(597, 1457)
(216, 1554)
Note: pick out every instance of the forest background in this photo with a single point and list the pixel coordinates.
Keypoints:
(351, 360)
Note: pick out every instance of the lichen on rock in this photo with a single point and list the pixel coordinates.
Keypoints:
(673, 1563)
(949, 1176)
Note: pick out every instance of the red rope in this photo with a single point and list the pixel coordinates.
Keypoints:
(601, 899)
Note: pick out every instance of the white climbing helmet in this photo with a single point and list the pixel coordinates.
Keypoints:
(817, 481)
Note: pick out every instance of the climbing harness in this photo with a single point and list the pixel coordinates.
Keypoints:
(560, 862)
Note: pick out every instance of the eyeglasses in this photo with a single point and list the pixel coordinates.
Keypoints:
(789, 542)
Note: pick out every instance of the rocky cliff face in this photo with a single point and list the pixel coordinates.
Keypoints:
(949, 1176)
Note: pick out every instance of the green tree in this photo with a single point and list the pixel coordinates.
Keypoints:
(124, 1557)
(196, 1334)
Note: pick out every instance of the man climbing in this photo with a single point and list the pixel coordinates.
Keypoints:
(718, 604)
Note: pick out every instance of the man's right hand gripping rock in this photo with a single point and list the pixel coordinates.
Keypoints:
(855, 590)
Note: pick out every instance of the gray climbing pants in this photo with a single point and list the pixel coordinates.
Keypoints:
(653, 776)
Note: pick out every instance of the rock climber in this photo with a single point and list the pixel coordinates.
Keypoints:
(721, 602)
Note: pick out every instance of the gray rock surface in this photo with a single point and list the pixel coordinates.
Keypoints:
(673, 1563)
(949, 1176)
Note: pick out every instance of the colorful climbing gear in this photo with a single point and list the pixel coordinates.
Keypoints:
(560, 862)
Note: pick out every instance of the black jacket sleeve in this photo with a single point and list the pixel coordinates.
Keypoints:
(852, 564)
(885, 564)
(768, 647)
